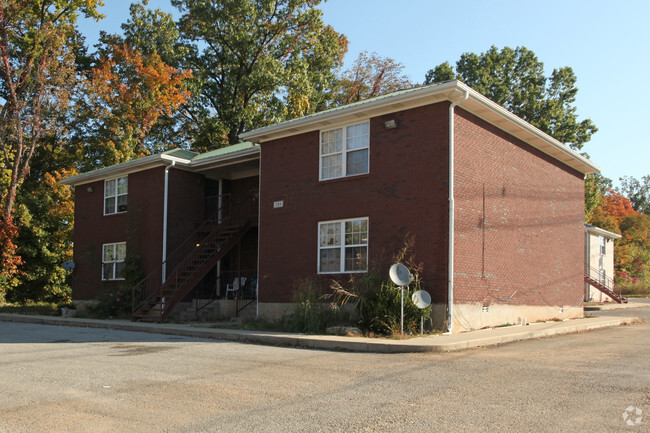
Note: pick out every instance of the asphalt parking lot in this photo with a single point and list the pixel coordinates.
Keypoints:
(60, 379)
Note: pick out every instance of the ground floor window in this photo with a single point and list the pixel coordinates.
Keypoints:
(343, 246)
(113, 261)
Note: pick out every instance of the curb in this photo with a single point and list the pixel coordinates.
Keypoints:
(438, 343)
(611, 307)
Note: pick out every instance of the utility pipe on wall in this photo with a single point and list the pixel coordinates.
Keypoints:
(165, 205)
(450, 267)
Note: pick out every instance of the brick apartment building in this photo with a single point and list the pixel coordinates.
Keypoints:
(336, 192)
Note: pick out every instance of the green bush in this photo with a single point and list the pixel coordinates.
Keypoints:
(310, 313)
(118, 303)
(378, 304)
(112, 304)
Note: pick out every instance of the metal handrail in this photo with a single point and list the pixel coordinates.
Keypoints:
(152, 285)
(607, 282)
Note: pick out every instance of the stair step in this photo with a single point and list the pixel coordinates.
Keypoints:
(211, 239)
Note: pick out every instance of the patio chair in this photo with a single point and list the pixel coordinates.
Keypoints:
(237, 284)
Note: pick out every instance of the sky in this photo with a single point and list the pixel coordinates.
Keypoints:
(604, 42)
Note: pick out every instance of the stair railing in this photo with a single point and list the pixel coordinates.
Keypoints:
(151, 287)
(605, 281)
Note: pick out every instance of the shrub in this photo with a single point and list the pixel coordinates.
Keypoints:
(37, 308)
(112, 304)
(118, 303)
(310, 313)
(378, 304)
(639, 288)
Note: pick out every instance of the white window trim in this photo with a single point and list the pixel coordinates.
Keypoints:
(114, 244)
(602, 245)
(343, 246)
(344, 151)
(116, 195)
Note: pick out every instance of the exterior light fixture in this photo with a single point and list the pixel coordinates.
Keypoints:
(390, 124)
(90, 189)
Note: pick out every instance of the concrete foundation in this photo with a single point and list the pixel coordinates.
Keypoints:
(469, 317)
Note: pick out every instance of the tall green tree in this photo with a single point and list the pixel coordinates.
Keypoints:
(596, 186)
(37, 69)
(638, 191)
(514, 78)
(38, 42)
(256, 62)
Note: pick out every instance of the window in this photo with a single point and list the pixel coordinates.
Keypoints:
(343, 246)
(115, 195)
(113, 261)
(601, 245)
(344, 151)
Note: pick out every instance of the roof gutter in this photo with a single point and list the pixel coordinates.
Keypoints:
(125, 168)
(450, 255)
(602, 232)
(497, 109)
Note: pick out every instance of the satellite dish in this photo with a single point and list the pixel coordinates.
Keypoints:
(400, 275)
(68, 265)
(421, 298)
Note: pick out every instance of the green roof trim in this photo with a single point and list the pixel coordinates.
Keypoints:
(224, 151)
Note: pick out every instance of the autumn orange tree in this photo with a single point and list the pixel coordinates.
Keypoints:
(615, 212)
(124, 96)
(37, 71)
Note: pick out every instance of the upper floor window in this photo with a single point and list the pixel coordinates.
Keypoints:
(115, 195)
(113, 256)
(344, 151)
(601, 245)
(343, 246)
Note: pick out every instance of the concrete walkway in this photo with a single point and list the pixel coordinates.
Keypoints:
(434, 343)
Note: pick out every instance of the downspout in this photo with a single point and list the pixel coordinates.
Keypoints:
(165, 206)
(219, 217)
(450, 267)
(259, 225)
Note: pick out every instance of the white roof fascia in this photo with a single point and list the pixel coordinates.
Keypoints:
(125, 168)
(477, 104)
(372, 108)
(602, 232)
(536, 132)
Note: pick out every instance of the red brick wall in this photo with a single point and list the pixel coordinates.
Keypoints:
(140, 227)
(185, 206)
(404, 192)
(519, 221)
(240, 191)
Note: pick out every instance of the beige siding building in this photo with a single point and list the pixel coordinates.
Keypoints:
(599, 256)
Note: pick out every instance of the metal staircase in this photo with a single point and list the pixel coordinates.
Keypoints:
(158, 293)
(604, 284)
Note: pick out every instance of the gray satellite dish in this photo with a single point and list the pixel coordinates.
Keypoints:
(68, 265)
(421, 298)
(400, 275)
